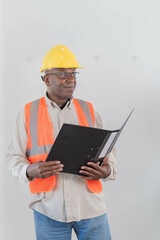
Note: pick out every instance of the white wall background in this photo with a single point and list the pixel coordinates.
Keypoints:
(118, 42)
(1, 124)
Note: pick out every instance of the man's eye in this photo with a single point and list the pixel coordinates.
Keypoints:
(62, 75)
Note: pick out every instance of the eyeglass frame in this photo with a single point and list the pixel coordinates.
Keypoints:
(67, 75)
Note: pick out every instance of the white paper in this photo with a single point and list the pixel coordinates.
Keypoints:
(107, 145)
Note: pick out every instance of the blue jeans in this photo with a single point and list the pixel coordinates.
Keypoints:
(96, 228)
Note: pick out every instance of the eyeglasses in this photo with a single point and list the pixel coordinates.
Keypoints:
(65, 75)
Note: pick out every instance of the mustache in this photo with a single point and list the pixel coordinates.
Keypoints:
(70, 86)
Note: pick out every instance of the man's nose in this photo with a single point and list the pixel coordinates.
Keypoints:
(71, 79)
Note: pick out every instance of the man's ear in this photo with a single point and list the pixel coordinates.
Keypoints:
(46, 80)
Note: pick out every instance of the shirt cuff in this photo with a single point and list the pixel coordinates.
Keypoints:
(23, 176)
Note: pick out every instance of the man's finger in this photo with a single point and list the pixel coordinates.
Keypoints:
(88, 174)
(51, 168)
(51, 163)
(89, 171)
(88, 178)
(95, 166)
(105, 160)
(51, 173)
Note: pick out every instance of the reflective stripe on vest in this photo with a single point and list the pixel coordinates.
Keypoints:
(34, 146)
(85, 112)
(40, 139)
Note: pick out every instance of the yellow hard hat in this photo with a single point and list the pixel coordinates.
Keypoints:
(59, 57)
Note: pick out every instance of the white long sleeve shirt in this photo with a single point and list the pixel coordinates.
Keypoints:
(70, 200)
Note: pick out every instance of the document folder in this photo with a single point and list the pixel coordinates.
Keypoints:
(76, 145)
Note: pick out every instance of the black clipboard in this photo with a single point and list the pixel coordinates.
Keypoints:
(76, 145)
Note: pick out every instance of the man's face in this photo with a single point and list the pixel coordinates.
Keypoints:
(59, 84)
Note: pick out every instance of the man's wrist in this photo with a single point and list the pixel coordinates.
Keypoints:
(108, 177)
(28, 177)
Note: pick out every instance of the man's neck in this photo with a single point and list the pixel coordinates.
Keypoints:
(60, 102)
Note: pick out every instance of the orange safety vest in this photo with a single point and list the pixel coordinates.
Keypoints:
(40, 139)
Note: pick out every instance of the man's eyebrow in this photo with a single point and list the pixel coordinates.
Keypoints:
(61, 69)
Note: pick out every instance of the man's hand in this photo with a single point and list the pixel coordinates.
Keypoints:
(44, 169)
(94, 171)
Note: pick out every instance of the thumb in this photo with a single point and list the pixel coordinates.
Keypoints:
(105, 161)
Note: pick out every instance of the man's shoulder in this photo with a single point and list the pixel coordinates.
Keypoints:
(34, 101)
(82, 100)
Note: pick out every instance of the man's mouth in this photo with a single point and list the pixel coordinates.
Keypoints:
(70, 87)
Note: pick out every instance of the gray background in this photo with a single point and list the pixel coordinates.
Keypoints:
(118, 43)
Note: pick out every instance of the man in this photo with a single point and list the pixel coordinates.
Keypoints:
(60, 201)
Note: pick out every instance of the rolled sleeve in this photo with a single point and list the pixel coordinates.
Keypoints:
(112, 163)
(16, 153)
(19, 172)
(112, 155)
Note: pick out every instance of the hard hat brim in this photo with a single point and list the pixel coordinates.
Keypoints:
(44, 69)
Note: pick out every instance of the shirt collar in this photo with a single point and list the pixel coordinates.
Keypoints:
(51, 103)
